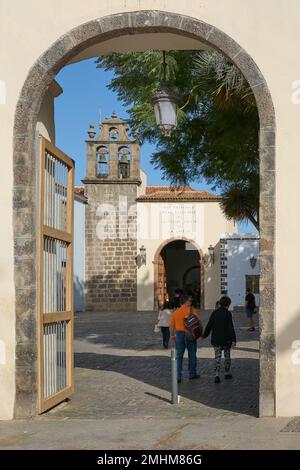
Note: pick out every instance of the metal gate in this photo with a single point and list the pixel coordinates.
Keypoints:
(55, 277)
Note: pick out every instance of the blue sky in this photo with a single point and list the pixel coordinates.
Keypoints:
(86, 99)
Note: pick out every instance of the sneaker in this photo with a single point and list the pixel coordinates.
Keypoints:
(228, 376)
(197, 376)
(217, 379)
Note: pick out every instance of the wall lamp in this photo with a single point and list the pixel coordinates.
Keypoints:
(211, 252)
(253, 261)
(141, 258)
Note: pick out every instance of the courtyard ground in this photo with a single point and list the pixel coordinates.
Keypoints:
(122, 396)
(121, 370)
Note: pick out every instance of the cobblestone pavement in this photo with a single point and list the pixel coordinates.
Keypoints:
(121, 370)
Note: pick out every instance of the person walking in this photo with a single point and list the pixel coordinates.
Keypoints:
(177, 297)
(250, 306)
(164, 317)
(178, 334)
(223, 337)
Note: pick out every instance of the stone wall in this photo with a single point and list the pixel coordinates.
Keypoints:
(111, 277)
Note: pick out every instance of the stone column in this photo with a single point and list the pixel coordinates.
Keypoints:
(91, 160)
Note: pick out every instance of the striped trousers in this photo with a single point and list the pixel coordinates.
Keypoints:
(218, 358)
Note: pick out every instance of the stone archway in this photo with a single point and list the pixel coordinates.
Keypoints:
(25, 183)
(157, 274)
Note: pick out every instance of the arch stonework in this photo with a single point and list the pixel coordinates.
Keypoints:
(156, 260)
(25, 204)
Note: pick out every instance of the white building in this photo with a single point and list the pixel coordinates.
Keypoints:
(239, 260)
(80, 202)
(176, 228)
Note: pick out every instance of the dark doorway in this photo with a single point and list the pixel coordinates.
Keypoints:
(182, 269)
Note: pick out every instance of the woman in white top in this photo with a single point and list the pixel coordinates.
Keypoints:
(164, 317)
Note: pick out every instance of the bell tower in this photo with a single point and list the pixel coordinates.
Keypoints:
(111, 182)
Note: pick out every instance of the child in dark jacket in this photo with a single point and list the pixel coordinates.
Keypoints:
(223, 337)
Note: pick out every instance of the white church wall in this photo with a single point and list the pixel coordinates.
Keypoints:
(79, 253)
(240, 248)
(212, 286)
(201, 222)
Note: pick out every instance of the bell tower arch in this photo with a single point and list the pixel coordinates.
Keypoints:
(111, 181)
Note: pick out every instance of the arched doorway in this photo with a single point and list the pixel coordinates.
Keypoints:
(26, 184)
(173, 259)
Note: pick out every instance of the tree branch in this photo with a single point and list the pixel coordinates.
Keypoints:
(252, 219)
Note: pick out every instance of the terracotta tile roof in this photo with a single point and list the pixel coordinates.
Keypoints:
(156, 189)
(173, 193)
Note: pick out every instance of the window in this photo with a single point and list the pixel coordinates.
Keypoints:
(252, 283)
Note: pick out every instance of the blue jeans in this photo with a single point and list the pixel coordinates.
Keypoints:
(249, 312)
(181, 344)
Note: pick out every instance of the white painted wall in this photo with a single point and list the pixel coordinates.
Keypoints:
(239, 252)
(45, 121)
(200, 222)
(79, 253)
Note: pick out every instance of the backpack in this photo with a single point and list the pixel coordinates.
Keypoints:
(193, 327)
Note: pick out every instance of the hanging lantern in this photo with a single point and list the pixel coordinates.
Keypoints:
(165, 109)
(165, 104)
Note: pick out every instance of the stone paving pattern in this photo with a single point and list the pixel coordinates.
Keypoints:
(121, 370)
